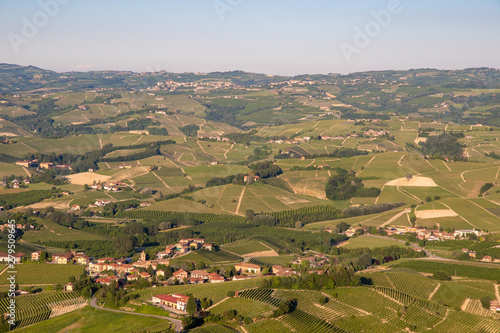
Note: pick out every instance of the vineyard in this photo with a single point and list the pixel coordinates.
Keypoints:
(270, 325)
(277, 244)
(306, 215)
(213, 291)
(32, 309)
(302, 321)
(188, 218)
(244, 307)
(219, 257)
(463, 322)
(261, 295)
(412, 284)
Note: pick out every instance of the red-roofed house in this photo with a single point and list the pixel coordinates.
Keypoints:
(181, 274)
(247, 268)
(215, 278)
(175, 301)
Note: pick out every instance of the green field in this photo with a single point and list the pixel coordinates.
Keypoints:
(243, 307)
(246, 246)
(43, 274)
(371, 242)
(94, 320)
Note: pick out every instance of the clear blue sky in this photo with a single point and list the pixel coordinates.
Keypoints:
(265, 36)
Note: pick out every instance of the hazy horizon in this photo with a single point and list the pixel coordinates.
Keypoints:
(276, 38)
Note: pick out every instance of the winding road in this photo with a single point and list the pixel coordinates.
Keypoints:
(178, 323)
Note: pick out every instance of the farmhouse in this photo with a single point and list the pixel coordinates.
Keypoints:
(282, 271)
(175, 301)
(247, 268)
(62, 259)
(199, 274)
(487, 259)
(36, 255)
(215, 278)
(181, 274)
(465, 233)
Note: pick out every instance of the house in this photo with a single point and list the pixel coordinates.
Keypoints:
(487, 259)
(495, 306)
(133, 277)
(181, 274)
(208, 246)
(175, 301)
(45, 165)
(62, 259)
(160, 272)
(68, 287)
(282, 271)
(162, 254)
(472, 254)
(200, 274)
(103, 260)
(106, 280)
(241, 277)
(75, 207)
(145, 204)
(4, 256)
(83, 260)
(18, 257)
(465, 233)
(215, 278)
(145, 275)
(36, 255)
(247, 268)
(193, 280)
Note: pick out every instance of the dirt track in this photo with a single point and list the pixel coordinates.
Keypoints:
(435, 213)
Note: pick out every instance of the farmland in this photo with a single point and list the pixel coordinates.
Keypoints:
(242, 160)
(44, 274)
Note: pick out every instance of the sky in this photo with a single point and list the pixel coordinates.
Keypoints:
(280, 37)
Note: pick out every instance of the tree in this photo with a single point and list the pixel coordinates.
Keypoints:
(486, 302)
(441, 275)
(408, 176)
(342, 226)
(85, 187)
(191, 307)
(165, 225)
(249, 214)
(298, 225)
(72, 279)
(43, 256)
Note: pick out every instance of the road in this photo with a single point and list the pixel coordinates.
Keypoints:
(178, 323)
(394, 218)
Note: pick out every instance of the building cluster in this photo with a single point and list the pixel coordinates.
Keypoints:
(374, 133)
(100, 203)
(9, 258)
(432, 235)
(42, 165)
(184, 246)
(71, 257)
(109, 186)
(171, 85)
(214, 137)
